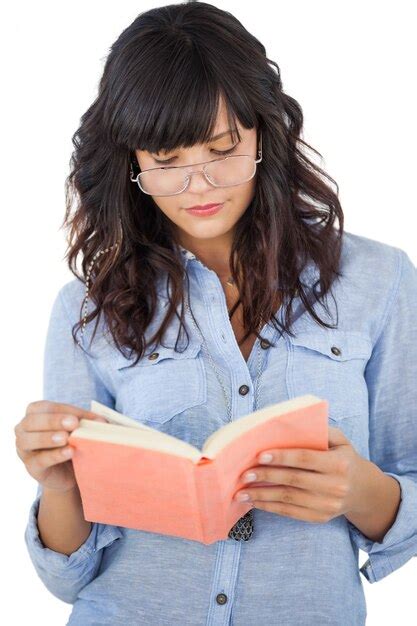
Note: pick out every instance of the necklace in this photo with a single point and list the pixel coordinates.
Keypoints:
(243, 529)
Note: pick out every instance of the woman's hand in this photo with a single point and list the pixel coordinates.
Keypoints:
(309, 485)
(45, 457)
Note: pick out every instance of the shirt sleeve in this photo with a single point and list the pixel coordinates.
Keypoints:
(68, 377)
(391, 375)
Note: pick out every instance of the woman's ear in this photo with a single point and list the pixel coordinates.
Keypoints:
(134, 161)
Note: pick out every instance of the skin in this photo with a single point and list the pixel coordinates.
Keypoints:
(318, 485)
(209, 238)
(305, 484)
(61, 522)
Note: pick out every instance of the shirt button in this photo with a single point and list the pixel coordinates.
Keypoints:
(265, 344)
(336, 350)
(153, 356)
(243, 390)
(221, 598)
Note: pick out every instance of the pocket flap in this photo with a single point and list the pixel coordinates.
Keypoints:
(339, 345)
(176, 383)
(154, 356)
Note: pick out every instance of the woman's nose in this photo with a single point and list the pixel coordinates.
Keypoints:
(197, 181)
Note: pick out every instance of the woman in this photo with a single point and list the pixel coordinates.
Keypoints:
(191, 112)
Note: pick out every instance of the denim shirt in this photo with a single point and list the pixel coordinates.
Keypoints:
(291, 572)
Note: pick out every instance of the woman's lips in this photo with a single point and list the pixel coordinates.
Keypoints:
(206, 210)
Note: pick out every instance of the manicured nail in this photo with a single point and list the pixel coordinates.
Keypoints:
(243, 496)
(69, 421)
(266, 457)
(249, 477)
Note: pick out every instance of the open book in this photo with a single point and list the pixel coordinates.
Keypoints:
(135, 476)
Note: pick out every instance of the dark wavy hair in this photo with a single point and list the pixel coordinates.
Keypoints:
(160, 89)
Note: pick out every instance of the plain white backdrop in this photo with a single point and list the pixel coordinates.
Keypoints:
(351, 66)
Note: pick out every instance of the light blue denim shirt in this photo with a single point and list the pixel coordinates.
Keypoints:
(291, 572)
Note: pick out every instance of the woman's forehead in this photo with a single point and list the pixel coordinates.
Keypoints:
(220, 134)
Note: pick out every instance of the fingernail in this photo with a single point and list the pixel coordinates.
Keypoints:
(243, 496)
(57, 438)
(69, 421)
(249, 477)
(266, 457)
(67, 451)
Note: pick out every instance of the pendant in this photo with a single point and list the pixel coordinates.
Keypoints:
(243, 529)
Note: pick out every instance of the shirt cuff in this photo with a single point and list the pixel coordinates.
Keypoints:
(101, 535)
(399, 543)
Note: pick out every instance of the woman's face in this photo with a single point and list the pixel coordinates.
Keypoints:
(194, 229)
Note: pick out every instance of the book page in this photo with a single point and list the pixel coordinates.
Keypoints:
(148, 438)
(114, 417)
(224, 435)
(125, 430)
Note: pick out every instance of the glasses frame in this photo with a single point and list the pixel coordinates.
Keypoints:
(136, 179)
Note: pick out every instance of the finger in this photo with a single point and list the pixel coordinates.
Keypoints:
(291, 510)
(47, 458)
(46, 406)
(295, 477)
(49, 421)
(297, 497)
(337, 437)
(303, 458)
(55, 421)
(39, 440)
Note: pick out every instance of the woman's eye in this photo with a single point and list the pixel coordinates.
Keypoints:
(225, 151)
(167, 161)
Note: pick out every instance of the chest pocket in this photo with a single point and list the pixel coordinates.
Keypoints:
(331, 364)
(162, 384)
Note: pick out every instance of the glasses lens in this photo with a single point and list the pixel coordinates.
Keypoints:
(162, 181)
(232, 170)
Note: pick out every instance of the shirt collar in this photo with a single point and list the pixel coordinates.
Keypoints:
(308, 275)
(187, 254)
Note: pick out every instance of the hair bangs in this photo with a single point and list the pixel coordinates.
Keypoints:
(168, 76)
(174, 104)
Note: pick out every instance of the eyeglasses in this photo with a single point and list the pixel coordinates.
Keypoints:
(224, 172)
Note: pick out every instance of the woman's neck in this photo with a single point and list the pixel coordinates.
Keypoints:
(214, 254)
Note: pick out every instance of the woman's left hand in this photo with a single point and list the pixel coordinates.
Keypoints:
(309, 485)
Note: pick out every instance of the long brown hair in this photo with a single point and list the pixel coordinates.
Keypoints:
(160, 89)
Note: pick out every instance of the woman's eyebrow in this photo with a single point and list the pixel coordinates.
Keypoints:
(229, 130)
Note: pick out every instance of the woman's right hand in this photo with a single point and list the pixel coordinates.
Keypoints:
(44, 458)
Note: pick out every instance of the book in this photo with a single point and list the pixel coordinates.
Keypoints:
(135, 476)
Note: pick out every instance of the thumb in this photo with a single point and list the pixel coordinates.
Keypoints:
(336, 437)
(89, 415)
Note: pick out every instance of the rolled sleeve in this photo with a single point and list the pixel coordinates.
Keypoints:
(68, 377)
(391, 375)
(56, 563)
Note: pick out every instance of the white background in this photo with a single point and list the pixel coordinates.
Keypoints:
(350, 65)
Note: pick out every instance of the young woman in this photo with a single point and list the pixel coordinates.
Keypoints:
(203, 316)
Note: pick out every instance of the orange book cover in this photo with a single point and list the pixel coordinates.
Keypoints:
(135, 476)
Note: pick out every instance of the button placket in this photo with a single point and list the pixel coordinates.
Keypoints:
(243, 389)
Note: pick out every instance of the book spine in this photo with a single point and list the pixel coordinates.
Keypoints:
(209, 500)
